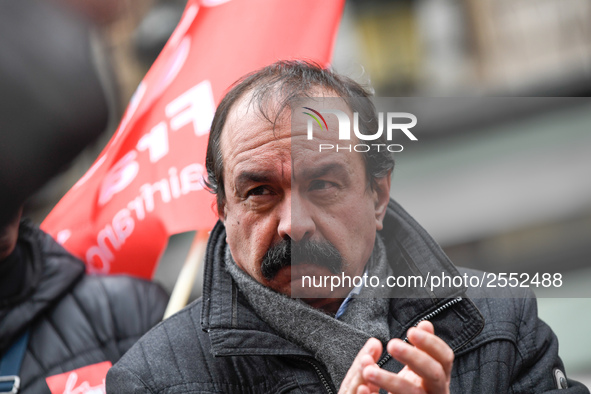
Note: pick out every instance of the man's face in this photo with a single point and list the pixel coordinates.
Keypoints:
(9, 235)
(279, 187)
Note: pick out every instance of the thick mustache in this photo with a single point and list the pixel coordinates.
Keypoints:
(288, 252)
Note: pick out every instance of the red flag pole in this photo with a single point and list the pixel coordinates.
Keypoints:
(186, 279)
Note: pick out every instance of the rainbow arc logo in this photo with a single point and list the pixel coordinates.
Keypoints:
(315, 118)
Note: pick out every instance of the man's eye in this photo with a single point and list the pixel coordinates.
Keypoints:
(258, 191)
(321, 185)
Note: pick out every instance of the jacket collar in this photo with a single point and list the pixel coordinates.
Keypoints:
(234, 329)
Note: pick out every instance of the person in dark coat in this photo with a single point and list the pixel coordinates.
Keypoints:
(73, 320)
(55, 103)
(296, 217)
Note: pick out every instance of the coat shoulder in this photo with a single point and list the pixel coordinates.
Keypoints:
(516, 349)
(510, 312)
(178, 341)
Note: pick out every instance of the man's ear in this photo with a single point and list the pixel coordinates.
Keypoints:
(222, 211)
(381, 195)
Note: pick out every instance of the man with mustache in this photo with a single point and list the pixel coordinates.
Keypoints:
(287, 253)
(290, 212)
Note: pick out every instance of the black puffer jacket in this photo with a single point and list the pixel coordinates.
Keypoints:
(219, 345)
(74, 319)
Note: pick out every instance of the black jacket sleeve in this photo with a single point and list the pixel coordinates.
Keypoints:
(539, 366)
(129, 307)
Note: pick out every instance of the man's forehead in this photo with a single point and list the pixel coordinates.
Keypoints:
(247, 118)
(249, 131)
(275, 109)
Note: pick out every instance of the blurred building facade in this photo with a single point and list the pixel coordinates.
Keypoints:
(503, 188)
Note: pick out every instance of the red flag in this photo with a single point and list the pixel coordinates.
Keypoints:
(85, 380)
(148, 182)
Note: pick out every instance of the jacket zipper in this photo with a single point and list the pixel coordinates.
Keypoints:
(319, 373)
(387, 356)
(426, 317)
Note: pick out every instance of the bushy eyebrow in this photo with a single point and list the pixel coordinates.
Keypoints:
(246, 178)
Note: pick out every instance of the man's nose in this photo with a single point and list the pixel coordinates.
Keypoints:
(295, 219)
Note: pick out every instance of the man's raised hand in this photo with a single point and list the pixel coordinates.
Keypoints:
(428, 365)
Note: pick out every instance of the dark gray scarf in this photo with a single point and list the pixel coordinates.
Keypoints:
(333, 342)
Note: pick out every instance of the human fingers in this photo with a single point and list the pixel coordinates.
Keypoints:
(426, 325)
(369, 354)
(390, 381)
(374, 348)
(434, 376)
(363, 389)
(423, 338)
(367, 387)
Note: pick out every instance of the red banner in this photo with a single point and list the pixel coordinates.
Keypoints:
(147, 184)
(85, 380)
